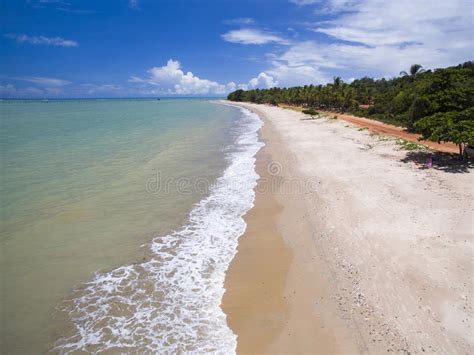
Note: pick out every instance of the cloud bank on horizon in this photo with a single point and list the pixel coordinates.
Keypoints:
(348, 38)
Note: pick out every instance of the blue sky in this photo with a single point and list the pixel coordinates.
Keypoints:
(68, 48)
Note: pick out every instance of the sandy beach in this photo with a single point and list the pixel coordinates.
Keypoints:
(352, 247)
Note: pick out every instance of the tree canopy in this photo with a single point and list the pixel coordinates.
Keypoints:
(436, 103)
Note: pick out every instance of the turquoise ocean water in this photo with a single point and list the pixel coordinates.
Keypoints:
(118, 221)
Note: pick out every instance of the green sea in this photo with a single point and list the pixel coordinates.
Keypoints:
(118, 221)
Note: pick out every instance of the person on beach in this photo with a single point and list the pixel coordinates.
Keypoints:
(429, 162)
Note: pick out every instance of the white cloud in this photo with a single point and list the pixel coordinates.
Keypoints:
(304, 2)
(170, 79)
(91, 89)
(378, 38)
(300, 74)
(61, 88)
(43, 81)
(339, 56)
(328, 6)
(50, 41)
(390, 36)
(240, 21)
(231, 86)
(263, 80)
(378, 22)
(308, 52)
(374, 61)
(74, 11)
(11, 91)
(54, 91)
(53, 2)
(252, 36)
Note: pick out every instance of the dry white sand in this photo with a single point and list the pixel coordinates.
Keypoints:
(395, 242)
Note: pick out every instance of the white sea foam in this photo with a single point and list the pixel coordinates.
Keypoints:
(171, 304)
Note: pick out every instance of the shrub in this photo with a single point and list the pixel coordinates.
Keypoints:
(312, 112)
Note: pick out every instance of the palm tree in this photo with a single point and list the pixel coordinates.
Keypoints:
(415, 69)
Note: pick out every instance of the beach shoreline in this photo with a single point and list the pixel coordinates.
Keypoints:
(268, 306)
(311, 272)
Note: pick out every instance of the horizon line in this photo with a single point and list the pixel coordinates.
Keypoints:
(113, 98)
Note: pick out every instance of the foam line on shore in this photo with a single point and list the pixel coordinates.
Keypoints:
(172, 302)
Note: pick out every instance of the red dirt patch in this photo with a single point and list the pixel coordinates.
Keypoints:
(384, 128)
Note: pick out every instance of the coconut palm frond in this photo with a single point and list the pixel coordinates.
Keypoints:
(416, 69)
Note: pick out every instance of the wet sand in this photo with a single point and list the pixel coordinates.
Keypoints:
(277, 297)
(352, 247)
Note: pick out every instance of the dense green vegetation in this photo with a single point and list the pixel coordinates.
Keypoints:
(439, 104)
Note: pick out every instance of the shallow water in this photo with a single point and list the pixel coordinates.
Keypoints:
(85, 185)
